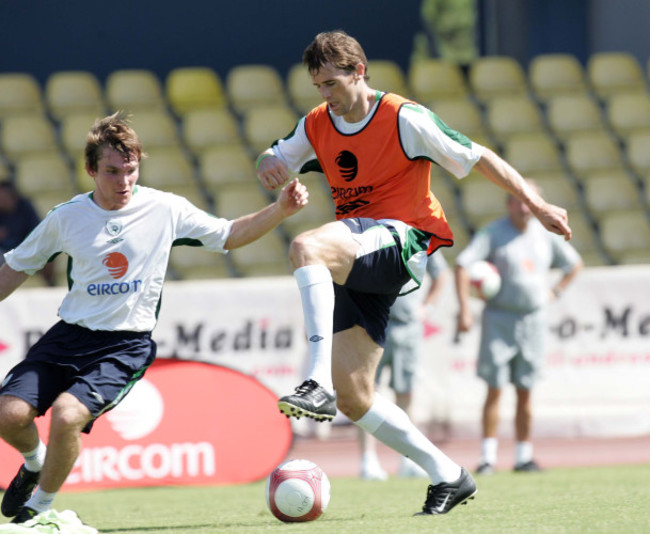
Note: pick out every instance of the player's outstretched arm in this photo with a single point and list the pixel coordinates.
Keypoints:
(499, 171)
(248, 228)
(10, 280)
(272, 172)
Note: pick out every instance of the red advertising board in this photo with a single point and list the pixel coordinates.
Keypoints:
(183, 423)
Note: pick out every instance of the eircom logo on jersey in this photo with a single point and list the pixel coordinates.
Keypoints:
(117, 265)
(183, 423)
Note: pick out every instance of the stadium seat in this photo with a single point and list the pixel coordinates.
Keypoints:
(509, 117)
(637, 148)
(615, 72)
(628, 113)
(268, 256)
(254, 85)
(611, 190)
(433, 79)
(494, 76)
(20, 94)
(265, 124)
(570, 114)
(533, 153)
(192, 88)
(156, 128)
(626, 234)
(5, 170)
(46, 179)
(386, 75)
(226, 165)
(134, 90)
(482, 200)
(592, 151)
(463, 116)
(165, 168)
(558, 189)
(553, 75)
(22, 136)
(73, 132)
(302, 93)
(196, 263)
(584, 238)
(73, 92)
(204, 128)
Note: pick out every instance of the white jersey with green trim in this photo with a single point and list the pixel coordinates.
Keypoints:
(118, 258)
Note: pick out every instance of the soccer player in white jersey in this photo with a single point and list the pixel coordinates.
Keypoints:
(375, 150)
(118, 239)
(513, 325)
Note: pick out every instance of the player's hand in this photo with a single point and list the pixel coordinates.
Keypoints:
(465, 320)
(293, 197)
(272, 172)
(555, 219)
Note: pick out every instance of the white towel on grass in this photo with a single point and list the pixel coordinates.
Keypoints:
(50, 522)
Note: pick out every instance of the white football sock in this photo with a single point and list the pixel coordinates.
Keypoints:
(489, 447)
(317, 295)
(523, 452)
(34, 459)
(41, 500)
(390, 425)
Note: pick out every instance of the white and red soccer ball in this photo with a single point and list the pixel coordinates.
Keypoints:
(484, 280)
(297, 490)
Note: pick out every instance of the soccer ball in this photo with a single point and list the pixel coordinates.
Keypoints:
(484, 280)
(297, 490)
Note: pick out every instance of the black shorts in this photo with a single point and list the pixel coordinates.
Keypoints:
(374, 282)
(98, 367)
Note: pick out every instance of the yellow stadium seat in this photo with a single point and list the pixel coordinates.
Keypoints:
(22, 136)
(637, 148)
(209, 127)
(482, 200)
(265, 124)
(626, 233)
(134, 90)
(386, 75)
(254, 85)
(584, 238)
(165, 168)
(558, 189)
(20, 94)
(494, 76)
(72, 92)
(533, 153)
(592, 151)
(611, 190)
(433, 79)
(302, 93)
(74, 132)
(191, 88)
(155, 128)
(629, 112)
(509, 117)
(571, 114)
(615, 72)
(226, 165)
(556, 75)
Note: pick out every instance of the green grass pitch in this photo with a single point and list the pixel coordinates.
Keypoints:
(567, 500)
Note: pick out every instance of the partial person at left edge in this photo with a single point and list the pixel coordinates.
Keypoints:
(118, 239)
(18, 218)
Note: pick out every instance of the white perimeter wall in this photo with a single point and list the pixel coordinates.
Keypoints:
(596, 382)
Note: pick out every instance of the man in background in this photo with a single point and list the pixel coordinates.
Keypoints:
(514, 321)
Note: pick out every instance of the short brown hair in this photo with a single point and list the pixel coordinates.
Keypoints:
(113, 131)
(335, 47)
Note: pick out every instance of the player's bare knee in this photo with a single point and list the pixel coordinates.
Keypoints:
(15, 413)
(69, 413)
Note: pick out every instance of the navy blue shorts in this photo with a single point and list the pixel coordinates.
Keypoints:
(374, 282)
(98, 367)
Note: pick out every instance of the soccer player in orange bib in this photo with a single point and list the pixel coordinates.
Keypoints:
(375, 150)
